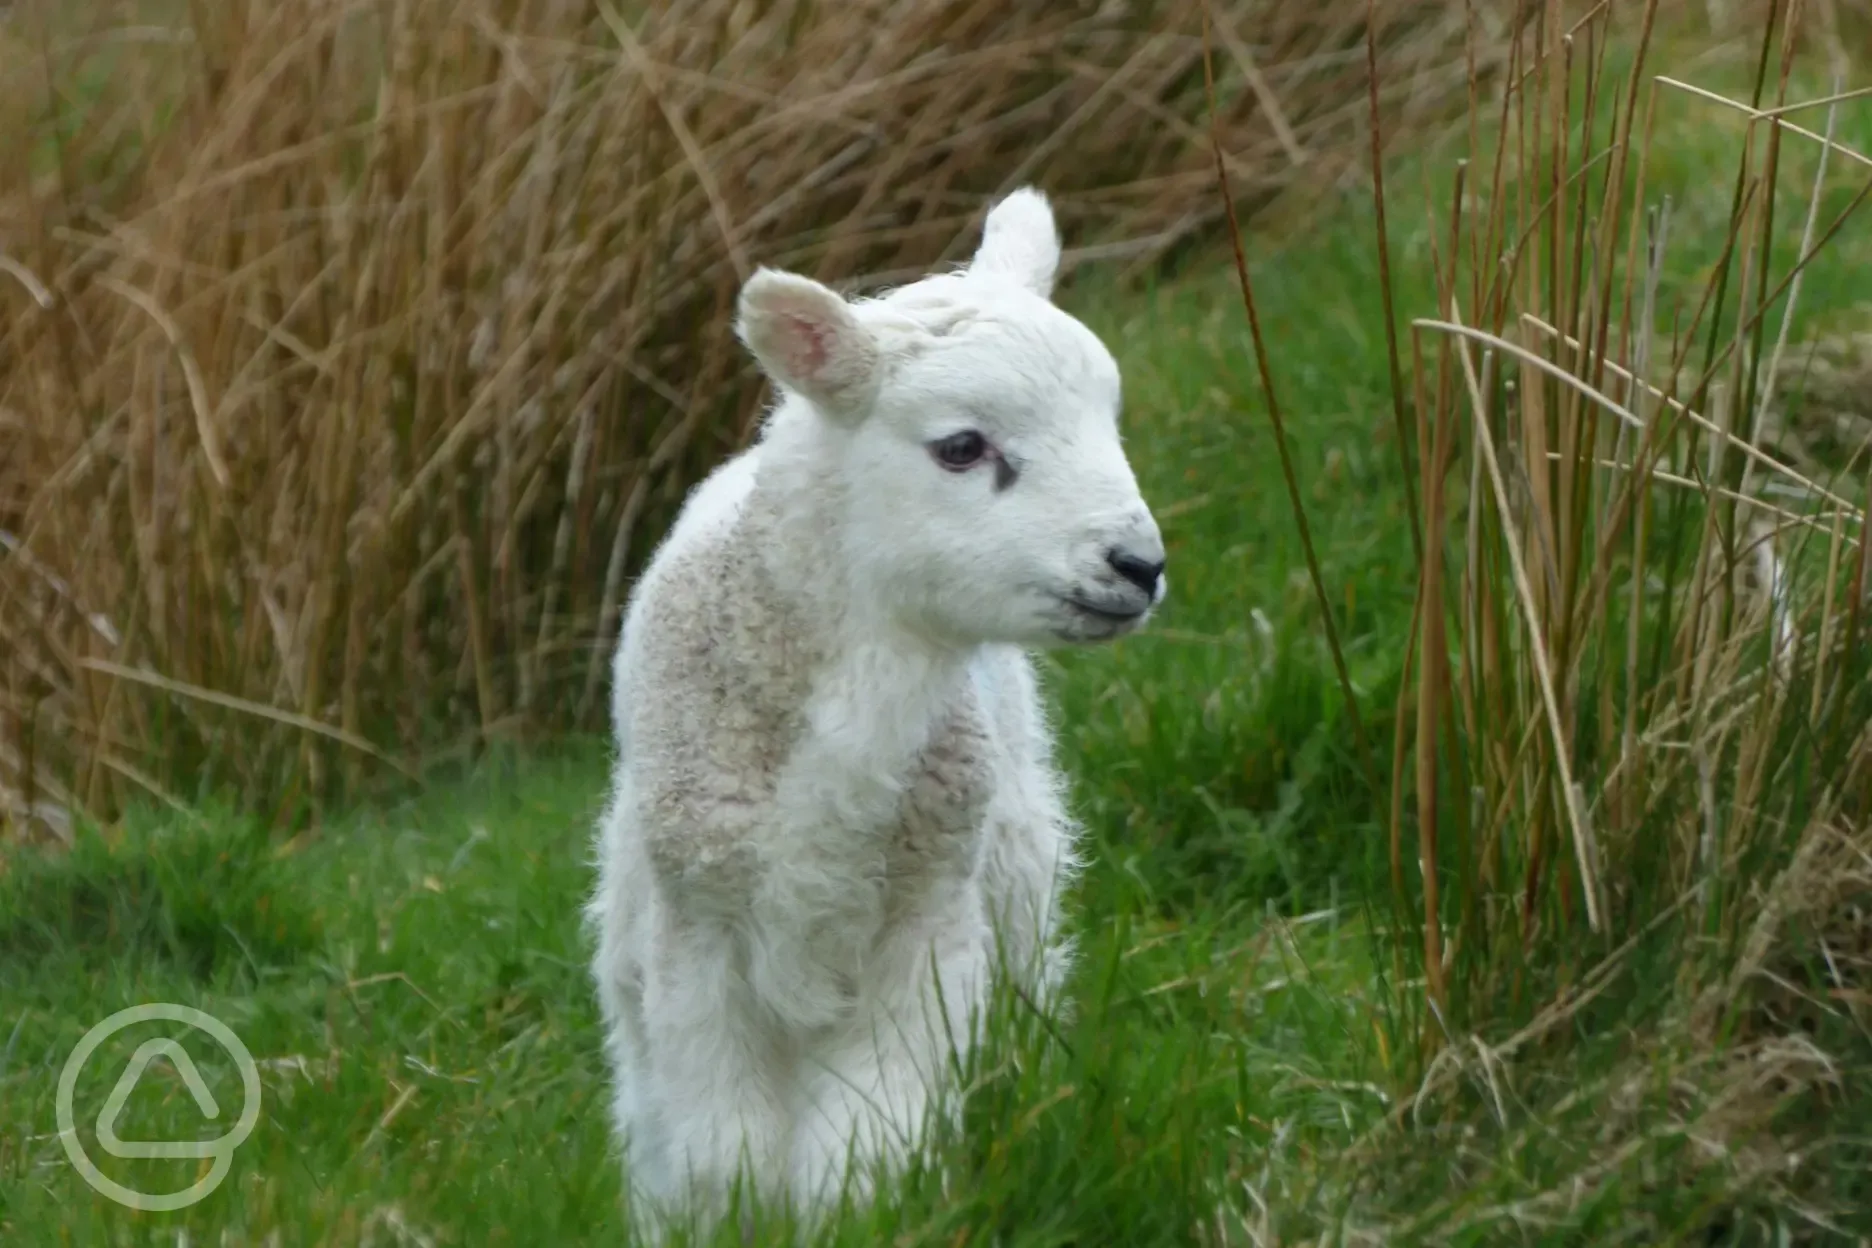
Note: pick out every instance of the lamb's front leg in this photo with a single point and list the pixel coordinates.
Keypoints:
(871, 1085)
(814, 913)
(818, 897)
(714, 1083)
(1029, 860)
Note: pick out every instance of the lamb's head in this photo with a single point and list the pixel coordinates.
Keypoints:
(961, 434)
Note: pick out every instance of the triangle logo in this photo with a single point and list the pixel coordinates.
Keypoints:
(184, 1066)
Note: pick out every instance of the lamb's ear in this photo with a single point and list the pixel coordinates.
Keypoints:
(1019, 240)
(807, 338)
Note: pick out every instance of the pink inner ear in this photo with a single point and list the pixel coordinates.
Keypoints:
(811, 348)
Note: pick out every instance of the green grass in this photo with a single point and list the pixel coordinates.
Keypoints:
(413, 977)
(413, 984)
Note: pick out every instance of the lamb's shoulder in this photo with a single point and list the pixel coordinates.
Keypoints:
(708, 515)
(989, 748)
(948, 790)
(718, 674)
(1030, 786)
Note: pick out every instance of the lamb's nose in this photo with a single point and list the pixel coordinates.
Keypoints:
(1142, 573)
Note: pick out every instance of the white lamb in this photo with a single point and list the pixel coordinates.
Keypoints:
(834, 786)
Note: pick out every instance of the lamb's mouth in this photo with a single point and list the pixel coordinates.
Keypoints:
(1109, 620)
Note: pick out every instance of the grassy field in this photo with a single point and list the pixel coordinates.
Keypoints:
(411, 978)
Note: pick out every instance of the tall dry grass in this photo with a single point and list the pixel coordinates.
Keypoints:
(356, 350)
(1630, 775)
(1641, 676)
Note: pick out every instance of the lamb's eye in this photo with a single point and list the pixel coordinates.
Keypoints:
(961, 450)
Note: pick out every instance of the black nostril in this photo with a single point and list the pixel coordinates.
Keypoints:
(1140, 572)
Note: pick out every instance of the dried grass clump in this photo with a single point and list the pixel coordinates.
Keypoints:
(355, 350)
(1630, 790)
(1740, 1092)
(1641, 668)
